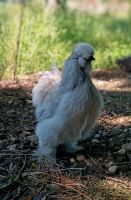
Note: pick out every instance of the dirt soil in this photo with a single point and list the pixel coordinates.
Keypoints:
(101, 171)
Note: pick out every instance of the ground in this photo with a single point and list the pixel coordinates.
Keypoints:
(101, 171)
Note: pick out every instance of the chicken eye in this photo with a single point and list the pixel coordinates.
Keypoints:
(90, 59)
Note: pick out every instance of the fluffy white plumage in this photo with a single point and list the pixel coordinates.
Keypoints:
(67, 104)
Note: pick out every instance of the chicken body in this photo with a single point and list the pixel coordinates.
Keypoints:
(67, 105)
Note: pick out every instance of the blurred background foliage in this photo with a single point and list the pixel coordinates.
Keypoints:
(48, 34)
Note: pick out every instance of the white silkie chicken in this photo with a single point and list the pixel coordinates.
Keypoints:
(67, 104)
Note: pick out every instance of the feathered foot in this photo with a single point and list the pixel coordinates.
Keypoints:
(45, 150)
(73, 147)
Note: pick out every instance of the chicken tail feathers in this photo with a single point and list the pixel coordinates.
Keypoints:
(45, 85)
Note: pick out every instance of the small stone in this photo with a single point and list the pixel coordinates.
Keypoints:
(97, 136)
(125, 130)
(80, 158)
(113, 113)
(104, 134)
(33, 139)
(72, 160)
(110, 164)
(26, 133)
(122, 151)
(10, 102)
(13, 139)
(88, 163)
(12, 111)
(100, 132)
(121, 135)
(12, 147)
(95, 141)
(113, 169)
(127, 146)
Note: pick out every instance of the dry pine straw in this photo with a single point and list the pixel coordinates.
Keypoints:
(56, 183)
(34, 177)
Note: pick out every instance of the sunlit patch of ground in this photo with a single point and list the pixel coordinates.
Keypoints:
(121, 120)
(114, 80)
